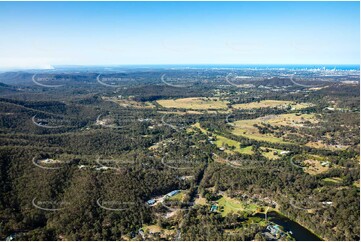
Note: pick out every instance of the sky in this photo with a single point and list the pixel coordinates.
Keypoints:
(43, 34)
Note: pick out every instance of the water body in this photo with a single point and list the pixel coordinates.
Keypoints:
(299, 232)
(116, 68)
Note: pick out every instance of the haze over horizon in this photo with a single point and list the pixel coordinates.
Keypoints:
(46, 34)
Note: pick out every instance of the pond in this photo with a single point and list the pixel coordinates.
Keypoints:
(298, 232)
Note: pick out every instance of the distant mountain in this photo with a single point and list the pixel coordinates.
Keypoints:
(13, 78)
(3, 85)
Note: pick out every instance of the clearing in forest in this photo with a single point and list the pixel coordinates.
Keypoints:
(273, 104)
(271, 153)
(321, 145)
(157, 229)
(231, 146)
(230, 205)
(228, 145)
(128, 103)
(194, 103)
(178, 197)
(333, 180)
(312, 164)
(247, 128)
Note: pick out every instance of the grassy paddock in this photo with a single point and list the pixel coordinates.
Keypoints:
(231, 205)
(194, 103)
(272, 104)
(247, 129)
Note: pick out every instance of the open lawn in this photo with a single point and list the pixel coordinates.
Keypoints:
(194, 103)
(230, 205)
(246, 129)
(178, 197)
(226, 143)
(201, 201)
(221, 141)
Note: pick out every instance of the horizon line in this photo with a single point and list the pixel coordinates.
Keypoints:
(52, 67)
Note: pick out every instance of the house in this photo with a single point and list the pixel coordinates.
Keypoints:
(132, 234)
(325, 164)
(151, 202)
(284, 152)
(331, 109)
(143, 119)
(11, 237)
(274, 229)
(102, 168)
(141, 232)
(327, 203)
(172, 193)
(214, 208)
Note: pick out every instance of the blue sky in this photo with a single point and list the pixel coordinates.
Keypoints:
(40, 34)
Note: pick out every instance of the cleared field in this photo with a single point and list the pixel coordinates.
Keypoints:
(230, 205)
(246, 150)
(312, 164)
(291, 119)
(157, 229)
(299, 106)
(194, 103)
(271, 153)
(51, 161)
(247, 129)
(178, 197)
(333, 180)
(223, 142)
(180, 112)
(272, 104)
(321, 145)
(129, 103)
(314, 167)
(200, 201)
(198, 125)
(226, 143)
